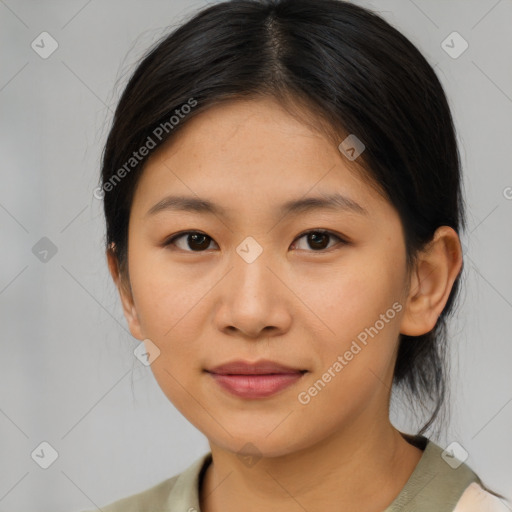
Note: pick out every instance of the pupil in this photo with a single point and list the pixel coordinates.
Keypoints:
(196, 236)
(314, 236)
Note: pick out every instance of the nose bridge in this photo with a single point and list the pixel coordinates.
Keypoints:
(251, 275)
(251, 293)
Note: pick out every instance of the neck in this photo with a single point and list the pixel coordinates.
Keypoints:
(344, 471)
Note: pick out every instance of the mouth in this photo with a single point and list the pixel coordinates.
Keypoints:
(255, 380)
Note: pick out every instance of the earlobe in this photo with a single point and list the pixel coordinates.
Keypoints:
(437, 267)
(125, 295)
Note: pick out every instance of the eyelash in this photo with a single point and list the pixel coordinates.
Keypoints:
(175, 237)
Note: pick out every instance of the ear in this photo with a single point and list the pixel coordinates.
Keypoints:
(125, 294)
(437, 267)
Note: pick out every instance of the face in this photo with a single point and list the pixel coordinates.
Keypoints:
(315, 288)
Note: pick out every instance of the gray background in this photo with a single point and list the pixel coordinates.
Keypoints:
(68, 373)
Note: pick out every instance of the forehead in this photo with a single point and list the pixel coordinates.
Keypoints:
(252, 152)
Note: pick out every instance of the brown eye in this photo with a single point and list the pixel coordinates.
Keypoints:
(194, 241)
(319, 239)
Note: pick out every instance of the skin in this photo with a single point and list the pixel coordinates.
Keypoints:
(202, 305)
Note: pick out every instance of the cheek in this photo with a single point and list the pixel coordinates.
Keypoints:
(360, 309)
(169, 305)
(165, 298)
(351, 296)
(354, 373)
(167, 309)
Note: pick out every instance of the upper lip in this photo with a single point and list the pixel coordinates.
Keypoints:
(262, 367)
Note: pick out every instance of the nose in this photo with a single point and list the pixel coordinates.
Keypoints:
(254, 302)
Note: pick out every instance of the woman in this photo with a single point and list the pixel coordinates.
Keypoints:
(282, 192)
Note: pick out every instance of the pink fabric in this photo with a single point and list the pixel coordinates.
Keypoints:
(476, 499)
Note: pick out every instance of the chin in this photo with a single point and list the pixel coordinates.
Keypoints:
(259, 445)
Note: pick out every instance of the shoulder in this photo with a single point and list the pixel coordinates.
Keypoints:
(476, 499)
(443, 482)
(148, 500)
(180, 492)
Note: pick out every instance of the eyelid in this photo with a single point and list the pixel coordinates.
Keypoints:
(170, 240)
(325, 231)
(344, 241)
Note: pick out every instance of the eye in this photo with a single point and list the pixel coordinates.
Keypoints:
(195, 240)
(317, 238)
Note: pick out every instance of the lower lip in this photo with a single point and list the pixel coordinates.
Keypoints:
(256, 386)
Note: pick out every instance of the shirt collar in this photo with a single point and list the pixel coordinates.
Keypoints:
(184, 496)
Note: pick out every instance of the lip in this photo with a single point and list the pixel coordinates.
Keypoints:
(255, 380)
(256, 386)
(262, 367)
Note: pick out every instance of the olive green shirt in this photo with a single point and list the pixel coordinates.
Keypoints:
(434, 486)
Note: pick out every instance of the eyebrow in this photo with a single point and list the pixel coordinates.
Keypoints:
(334, 201)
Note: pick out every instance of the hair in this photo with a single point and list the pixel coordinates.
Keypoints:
(343, 69)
